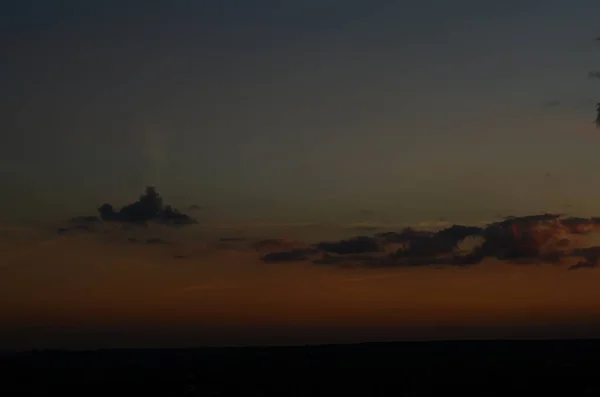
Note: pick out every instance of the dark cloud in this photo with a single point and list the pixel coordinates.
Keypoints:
(365, 260)
(148, 208)
(427, 244)
(194, 207)
(533, 239)
(537, 238)
(357, 245)
(405, 236)
(454, 234)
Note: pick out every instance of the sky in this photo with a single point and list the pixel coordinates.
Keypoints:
(299, 122)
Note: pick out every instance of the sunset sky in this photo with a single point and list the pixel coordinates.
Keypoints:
(299, 123)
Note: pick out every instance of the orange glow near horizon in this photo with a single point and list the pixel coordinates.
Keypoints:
(82, 282)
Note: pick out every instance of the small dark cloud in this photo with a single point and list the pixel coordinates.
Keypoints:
(148, 208)
(194, 207)
(180, 256)
(594, 75)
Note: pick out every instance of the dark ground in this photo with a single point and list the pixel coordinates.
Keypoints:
(478, 368)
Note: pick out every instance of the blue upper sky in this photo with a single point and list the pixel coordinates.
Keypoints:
(306, 110)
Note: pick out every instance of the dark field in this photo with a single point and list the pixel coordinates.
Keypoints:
(478, 368)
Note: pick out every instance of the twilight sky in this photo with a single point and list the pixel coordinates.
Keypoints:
(306, 120)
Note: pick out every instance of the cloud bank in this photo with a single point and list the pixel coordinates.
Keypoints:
(532, 239)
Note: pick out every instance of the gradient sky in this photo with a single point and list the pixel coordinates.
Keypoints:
(310, 117)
